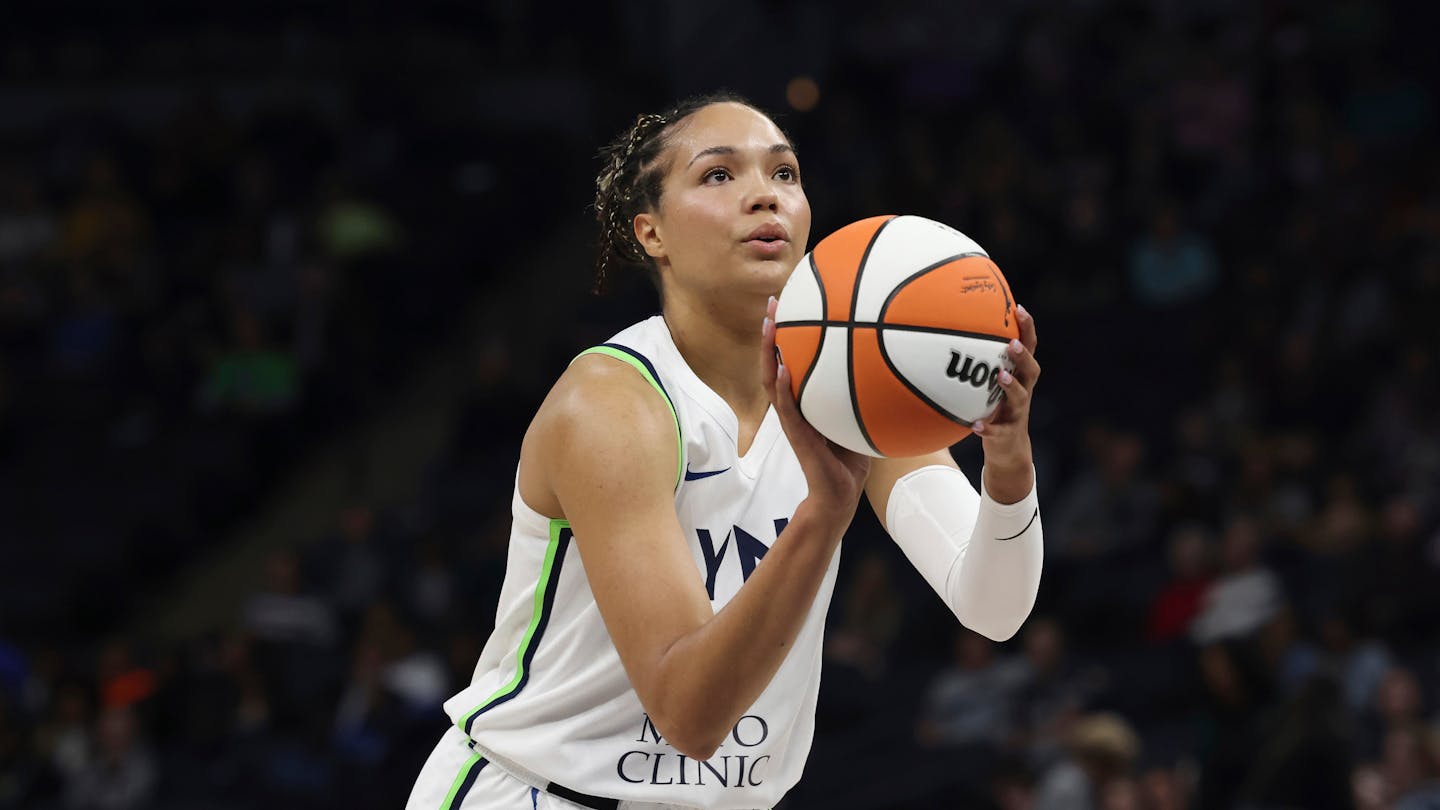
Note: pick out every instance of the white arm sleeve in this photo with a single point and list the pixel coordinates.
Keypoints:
(982, 557)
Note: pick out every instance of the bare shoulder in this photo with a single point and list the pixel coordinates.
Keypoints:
(601, 422)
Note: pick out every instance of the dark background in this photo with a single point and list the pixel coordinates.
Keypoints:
(282, 283)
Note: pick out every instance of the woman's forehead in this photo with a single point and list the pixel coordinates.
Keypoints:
(726, 125)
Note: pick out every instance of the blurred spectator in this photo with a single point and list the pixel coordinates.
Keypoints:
(432, 585)
(1101, 751)
(282, 612)
(122, 682)
(1245, 596)
(1399, 704)
(1408, 775)
(871, 620)
(1164, 788)
(1109, 506)
(1292, 658)
(28, 226)
(1180, 599)
(351, 561)
(1344, 523)
(251, 377)
(1239, 692)
(970, 702)
(1054, 690)
(1171, 266)
(1358, 662)
(106, 232)
(121, 773)
(350, 227)
(1394, 577)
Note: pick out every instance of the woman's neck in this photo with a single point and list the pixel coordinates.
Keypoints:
(723, 349)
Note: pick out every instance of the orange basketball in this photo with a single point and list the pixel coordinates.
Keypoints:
(894, 329)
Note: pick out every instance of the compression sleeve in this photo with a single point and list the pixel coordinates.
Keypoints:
(983, 558)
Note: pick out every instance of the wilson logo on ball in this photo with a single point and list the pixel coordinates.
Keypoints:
(981, 375)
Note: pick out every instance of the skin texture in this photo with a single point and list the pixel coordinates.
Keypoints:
(601, 449)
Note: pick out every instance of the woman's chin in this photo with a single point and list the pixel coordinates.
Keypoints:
(771, 272)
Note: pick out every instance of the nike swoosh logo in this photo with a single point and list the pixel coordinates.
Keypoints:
(696, 476)
(1022, 531)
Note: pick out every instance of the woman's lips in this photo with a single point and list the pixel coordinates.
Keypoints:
(768, 249)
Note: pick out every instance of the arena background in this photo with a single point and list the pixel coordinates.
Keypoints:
(282, 282)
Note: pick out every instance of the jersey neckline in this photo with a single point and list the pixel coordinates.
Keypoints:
(715, 405)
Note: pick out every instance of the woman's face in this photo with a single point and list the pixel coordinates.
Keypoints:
(732, 212)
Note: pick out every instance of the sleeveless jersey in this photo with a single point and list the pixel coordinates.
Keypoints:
(549, 694)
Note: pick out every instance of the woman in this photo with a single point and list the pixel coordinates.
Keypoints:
(642, 655)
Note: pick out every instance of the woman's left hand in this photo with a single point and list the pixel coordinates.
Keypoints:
(1005, 434)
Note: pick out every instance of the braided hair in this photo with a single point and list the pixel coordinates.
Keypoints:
(630, 180)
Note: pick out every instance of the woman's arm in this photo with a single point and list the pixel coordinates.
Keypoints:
(981, 552)
(603, 446)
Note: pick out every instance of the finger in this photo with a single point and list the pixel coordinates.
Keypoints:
(803, 437)
(1027, 328)
(1027, 368)
(992, 430)
(769, 359)
(1017, 396)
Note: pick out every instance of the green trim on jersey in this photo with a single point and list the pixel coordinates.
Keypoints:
(639, 364)
(543, 602)
(458, 788)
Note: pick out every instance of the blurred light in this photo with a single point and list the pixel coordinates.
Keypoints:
(802, 93)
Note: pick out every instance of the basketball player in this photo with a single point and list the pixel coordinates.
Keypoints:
(677, 523)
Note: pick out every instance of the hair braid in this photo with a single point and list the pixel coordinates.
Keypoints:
(616, 195)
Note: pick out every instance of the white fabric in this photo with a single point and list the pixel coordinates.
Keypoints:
(1237, 605)
(495, 787)
(577, 720)
(983, 558)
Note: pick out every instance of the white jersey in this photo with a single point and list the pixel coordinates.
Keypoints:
(550, 696)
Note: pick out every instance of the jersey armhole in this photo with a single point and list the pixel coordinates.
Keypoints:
(638, 361)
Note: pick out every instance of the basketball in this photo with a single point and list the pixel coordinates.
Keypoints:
(894, 329)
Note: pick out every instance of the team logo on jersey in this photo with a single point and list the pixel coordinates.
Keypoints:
(691, 475)
(748, 548)
(738, 767)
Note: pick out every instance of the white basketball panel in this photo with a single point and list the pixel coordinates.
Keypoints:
(801, 299)
(825, 401)
(906, 245)
(959, 374)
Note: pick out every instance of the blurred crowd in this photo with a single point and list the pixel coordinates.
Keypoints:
(1225, 217)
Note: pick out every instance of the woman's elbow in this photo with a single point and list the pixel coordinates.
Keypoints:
(996, 625)
(689, 736)
(696, 743)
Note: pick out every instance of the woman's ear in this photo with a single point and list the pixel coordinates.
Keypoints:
(647, 233)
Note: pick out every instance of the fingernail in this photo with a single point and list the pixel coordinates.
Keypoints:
(771, 302)
(1020, 308)
(1016, 346)
(1005, 377)
(978, 427)
(765, 325)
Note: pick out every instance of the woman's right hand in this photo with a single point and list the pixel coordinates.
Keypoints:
(835, 475)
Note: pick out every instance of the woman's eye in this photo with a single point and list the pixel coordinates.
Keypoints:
(787, 173)
(715, 175)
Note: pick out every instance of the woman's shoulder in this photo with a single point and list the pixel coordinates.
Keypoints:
(603, 391)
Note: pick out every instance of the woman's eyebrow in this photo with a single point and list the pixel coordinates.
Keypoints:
(730, 150)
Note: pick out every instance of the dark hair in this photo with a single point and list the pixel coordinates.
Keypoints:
(630, 179)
